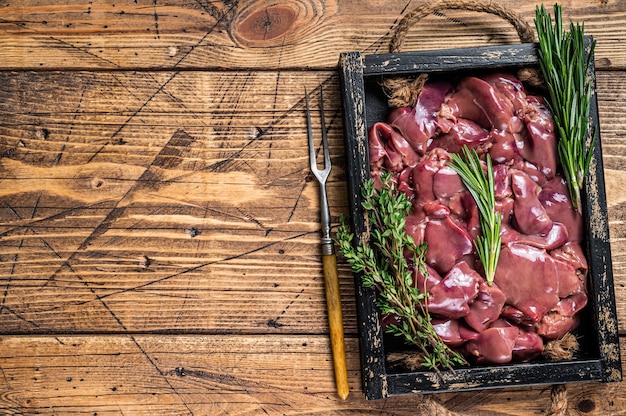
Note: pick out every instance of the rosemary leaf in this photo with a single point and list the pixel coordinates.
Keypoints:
(481, 187)
(564, 66)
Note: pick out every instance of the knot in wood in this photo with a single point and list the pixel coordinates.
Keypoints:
(586, 406)
(266, 24)
(97, 182)
(280, 23)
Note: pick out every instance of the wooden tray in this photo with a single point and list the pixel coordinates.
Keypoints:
(364, 103)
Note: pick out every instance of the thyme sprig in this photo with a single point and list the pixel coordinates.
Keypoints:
(564, 67)
(481, 185)
(382, 263)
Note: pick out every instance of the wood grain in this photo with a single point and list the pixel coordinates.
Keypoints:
(122, 198)
(122, 202)
(256, 34)
(265, 374)
(159, 228)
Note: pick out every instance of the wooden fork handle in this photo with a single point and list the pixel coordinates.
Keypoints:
(335, 322)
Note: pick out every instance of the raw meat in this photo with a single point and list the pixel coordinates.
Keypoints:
(540, 283)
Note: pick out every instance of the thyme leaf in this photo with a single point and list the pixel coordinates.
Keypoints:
(564, 67)
(481, 185)
(383, 265)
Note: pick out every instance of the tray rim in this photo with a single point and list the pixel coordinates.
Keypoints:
(377, 381)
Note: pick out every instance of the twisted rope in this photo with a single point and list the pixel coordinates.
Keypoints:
(402, 91)
(523, 29)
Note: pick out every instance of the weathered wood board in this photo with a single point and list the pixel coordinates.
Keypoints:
(159, 235)
(122, 197)
(310, 34)
(157, 202)
(205, 375)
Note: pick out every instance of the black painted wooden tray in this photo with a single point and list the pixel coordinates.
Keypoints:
(365, 103)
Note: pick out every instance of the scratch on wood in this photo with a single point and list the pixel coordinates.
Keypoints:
(169, 156)
(32, 230)
(247, 386)
(295, 204)
(219, 16)
(213, 11)
(228, 161)
(19, 316)
(161, 373)
(274, 103)
(6, 380)
(97, 152)
(133, 339)
(156, 19)
(10, 277)
(250, 218)
(43, 133)
(59, 215)
(274, 322)
(15, 256)
(189, 270)
(69, 45)
(144, 104)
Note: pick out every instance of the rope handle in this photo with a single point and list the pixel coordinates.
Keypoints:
(524, 31)
(403, 92)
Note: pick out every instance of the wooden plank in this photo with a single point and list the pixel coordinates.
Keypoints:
(255, 34)
(455, 59)
(270, 374)
(155, 201)
(165, 216)
(614, 150)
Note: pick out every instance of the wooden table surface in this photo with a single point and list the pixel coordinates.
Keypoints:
(159, 225)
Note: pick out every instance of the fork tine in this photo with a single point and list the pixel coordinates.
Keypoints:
(324, 138)
(320, 174)
(312, 158)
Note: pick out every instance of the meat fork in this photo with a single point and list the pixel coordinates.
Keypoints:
(329, 259)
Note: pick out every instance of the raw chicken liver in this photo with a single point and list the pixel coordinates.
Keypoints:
(540, 282)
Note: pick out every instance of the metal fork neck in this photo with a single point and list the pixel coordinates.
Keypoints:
(324, 213)
(328, 247)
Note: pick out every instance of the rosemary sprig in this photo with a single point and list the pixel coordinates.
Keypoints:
(564, 67)
(382, 262)
(481, 186)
